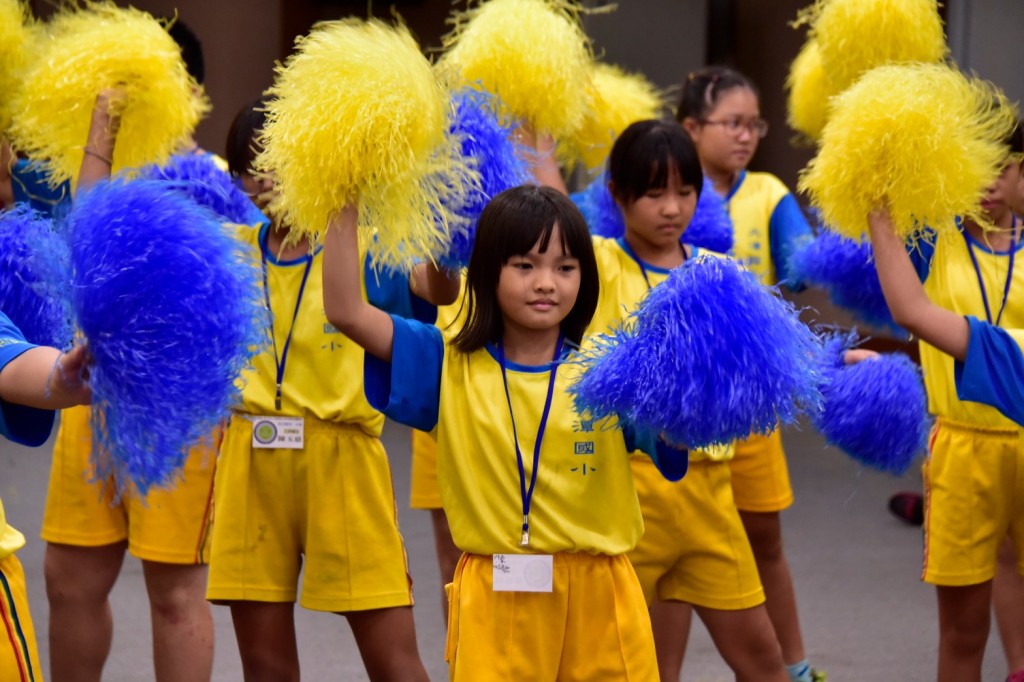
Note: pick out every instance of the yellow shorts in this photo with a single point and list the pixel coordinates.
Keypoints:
(327, 511)
(424, 493)
(170, 526)
(19, 658)
(760, 477)
(974, 493)
(594, 626)
(694, 548)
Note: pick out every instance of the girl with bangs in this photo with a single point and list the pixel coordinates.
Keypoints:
(541, 502)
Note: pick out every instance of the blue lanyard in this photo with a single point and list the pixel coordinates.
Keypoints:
(282, 359)
(527, 493)
(640, 264)
(1009, 274)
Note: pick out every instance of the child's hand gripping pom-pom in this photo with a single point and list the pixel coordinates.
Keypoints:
(845, 270)
(874, 410)
(924, 139)
(357, 116)
(35, 274)
(532, 54)
(711, 227)
(93, 49)
(171, 306)
(198, 177)
(495, 160)
(709, 356)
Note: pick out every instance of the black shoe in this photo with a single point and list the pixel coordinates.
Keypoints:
(908, 507)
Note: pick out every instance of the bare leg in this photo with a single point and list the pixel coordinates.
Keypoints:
(671, 623)
(447, 553)
(964, 616)
(78, 584)
(747, 642)
(387, 643)
(765, 533)
(1008, 600)
(266, 640)
(182, 624)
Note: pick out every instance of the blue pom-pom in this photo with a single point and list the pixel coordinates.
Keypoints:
(495, 157)
(709, 356)
(845, 270)
(171, 306)
(35, 273)
(711, 227)
(199, 177)
(600, 210)
(875, 411)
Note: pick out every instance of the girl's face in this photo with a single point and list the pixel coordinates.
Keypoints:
(537, 290)
(660, 216)
(258, 188)
(728, 135)
(1003, 194)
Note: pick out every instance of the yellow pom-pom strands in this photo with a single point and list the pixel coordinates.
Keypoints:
(357, 115)
(532, 54)
(16, 38)
(618, 99)
(924, 139)
(855, 36)
(87, 51)
(809, 92)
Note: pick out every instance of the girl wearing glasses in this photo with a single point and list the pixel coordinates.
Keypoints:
(720, 110)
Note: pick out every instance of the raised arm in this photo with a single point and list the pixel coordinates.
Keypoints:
(434, 285)
(97, 159)
(344, 304)
(45, 378)
(910, 306)
(542, 159)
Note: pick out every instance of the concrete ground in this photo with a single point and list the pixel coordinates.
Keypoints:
(866, 615)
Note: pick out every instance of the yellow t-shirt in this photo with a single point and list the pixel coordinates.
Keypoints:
(952, 283)
(625, 281)
(323, 368)
(584, 498)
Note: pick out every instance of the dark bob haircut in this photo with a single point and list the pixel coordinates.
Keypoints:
(511, 224)
(644, 155)
(704, 87)
(241, 147)
(191, 48)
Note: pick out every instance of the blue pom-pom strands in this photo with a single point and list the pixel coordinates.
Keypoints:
(710, 228)
(875, 411)
(34, 277)
(709, 356)
(495, 160)
(170, 305)
(202, 181)
(845, 270)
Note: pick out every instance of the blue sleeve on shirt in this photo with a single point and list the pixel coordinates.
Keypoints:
(786, 229)
(671, 462)
(390, 292)
(25, 425)
(408, 389)
(993, 371)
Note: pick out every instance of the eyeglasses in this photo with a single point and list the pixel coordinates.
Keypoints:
(733, 126)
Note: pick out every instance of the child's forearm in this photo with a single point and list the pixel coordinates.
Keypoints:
(434, 285)
(98, 153)
(45, 378)
(344, 304)
(905, 295)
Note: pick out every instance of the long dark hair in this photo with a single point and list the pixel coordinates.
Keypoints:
(509, 226)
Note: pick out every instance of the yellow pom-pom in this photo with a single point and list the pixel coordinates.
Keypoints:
(618, 99)
(809, 92)
(16, 37)
(93, 49)
(532, 54)
(357, 114)
(855, 36)
(923, 138)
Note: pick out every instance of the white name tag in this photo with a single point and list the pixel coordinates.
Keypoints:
(278, 432)
(522, 572)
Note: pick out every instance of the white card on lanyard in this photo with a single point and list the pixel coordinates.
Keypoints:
(522, 572)
(278, 432)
